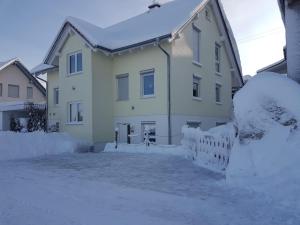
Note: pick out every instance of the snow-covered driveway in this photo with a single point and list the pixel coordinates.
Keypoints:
(122, 188)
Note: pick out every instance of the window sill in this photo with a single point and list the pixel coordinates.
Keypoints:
(147, 96)
(74, 74)
(197, 64)
(74, 123)
(197, 99)
(218, 74)
(219, 103)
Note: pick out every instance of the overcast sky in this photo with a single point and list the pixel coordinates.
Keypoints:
(27, 28)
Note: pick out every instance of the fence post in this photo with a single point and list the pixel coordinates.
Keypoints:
(116, 137)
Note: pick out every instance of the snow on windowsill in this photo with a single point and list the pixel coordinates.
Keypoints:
(197, 63)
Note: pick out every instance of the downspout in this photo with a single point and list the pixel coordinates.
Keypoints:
(168, 91)
(36, 76)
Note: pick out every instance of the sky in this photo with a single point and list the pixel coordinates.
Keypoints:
(28, 28)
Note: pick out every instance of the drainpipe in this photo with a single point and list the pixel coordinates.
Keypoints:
(169, 92)
(36, 76)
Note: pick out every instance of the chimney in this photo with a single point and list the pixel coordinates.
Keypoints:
(155, 4)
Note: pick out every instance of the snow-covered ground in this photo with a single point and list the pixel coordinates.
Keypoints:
(122, 188)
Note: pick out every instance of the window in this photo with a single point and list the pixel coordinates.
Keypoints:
(150, 126)
(218, 93)
(147, 83)
(122, 87)
(196, 44)
(0, 89)
(218, 58)
(193, 124)
(196, 86)
(29, 92)
(75, 63)
(13, 91)
(56, 96)
(75, 112)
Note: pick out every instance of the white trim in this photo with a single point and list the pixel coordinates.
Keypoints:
(144, 73)
(68, 63)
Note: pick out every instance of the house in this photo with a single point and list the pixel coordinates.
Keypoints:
(290, 11)
(18, 89)
(175, 64)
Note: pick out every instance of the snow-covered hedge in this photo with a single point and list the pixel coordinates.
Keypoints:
(27, 145)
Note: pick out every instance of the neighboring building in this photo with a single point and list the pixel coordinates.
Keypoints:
(290, 65)
(173, 65)
(18, 88)
(277, 67)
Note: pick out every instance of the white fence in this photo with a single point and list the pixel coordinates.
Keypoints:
(211, 150)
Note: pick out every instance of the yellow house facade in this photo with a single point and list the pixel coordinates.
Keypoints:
(176, 73)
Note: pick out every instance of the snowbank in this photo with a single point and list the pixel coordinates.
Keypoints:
(152, 149)
(266, 155)
(28, 145)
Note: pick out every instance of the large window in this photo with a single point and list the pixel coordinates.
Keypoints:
(196, 44)
(150, 128)
(218, 58)
(218, 93)
(29, 92)
(13, 91)
(56, 96)
(196, 86)
(147, 83)
(75, 111)
(1, 87)
(74, 63)
(123, 87)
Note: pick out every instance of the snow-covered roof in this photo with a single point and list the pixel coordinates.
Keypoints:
(155, 24)
(41, 68)
(5, 64)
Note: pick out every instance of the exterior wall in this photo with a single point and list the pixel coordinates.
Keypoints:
(54, 110)
(76, 88)
(183, 68)
(12, 75)
(133, 63)
(103, 130)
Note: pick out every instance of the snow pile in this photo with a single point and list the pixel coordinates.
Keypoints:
(152, 149)
(28, 145)
(266, 155)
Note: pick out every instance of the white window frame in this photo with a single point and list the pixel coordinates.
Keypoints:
(143, 74)
(56, 92)
(13, 85)
(196, 45)
(218, 58)
(75, 122)
(1, 89)
(69, 63)
(220, 93)
(118, 77)
(29, 88)
(199, 78)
